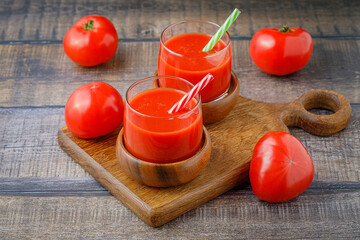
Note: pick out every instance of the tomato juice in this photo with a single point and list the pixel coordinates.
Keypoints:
(182, 56)
(152, 134)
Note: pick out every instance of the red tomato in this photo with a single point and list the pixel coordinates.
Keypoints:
(281, 51)
(93, 110)
(280, 168)
(91, 41)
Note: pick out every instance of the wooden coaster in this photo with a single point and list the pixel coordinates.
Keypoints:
(163, 174)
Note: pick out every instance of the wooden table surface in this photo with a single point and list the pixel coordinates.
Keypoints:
(44, 194)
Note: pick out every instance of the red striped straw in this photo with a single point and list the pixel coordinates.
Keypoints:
(188, 96)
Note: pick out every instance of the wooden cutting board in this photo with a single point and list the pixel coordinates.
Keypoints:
(233, 140)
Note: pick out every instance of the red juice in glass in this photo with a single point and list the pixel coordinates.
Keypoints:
(181, 55)
(154, 135)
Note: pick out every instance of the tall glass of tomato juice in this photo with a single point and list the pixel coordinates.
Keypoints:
(150, 132)
(181, 55)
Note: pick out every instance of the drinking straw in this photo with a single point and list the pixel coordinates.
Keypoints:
(222, 30)
(188, 96)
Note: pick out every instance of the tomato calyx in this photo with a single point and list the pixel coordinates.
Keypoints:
(281, 51)
(285, 29)
(89, 25)
(91, 41)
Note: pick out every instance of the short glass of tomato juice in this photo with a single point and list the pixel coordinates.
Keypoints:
(181, 55)
(154, 135)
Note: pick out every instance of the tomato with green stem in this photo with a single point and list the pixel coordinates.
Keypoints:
(280, 168)
(281, 51)
(91, 41)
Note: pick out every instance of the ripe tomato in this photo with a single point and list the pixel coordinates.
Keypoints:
(281, 51)
(91, 41)
(280, 168)
(93, 110)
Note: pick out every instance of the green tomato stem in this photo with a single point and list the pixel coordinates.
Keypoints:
(89, 25)
(285, 29)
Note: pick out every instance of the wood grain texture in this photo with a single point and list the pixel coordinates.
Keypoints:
(51, 185)
(237, 214)
(31, 73)
(232, 140)
(28, 144)
(163, 174)
(80, 186)
(29, 148)
(59, 200)
(297, 114)
(32, 20)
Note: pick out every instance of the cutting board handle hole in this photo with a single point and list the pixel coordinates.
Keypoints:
(318, 99)
(320, 111)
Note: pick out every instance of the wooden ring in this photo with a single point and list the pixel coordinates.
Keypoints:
(163, 174)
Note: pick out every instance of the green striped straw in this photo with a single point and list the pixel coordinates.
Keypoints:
(222, 30)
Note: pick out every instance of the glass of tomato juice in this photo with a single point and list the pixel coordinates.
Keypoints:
(181, 55)
(150, 132)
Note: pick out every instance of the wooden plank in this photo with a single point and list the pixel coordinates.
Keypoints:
(32, 20)
(29, 148)
(235, 215)
(28, 144)
(75, 186)
(50, 77)
(50, 185)
(29, 78)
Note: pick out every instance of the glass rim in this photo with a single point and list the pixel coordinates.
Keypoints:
(227, 44)
(157, 77)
